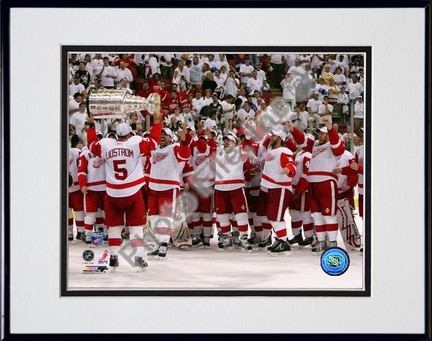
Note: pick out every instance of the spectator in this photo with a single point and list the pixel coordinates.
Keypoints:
(277, 64)
(245, 72)
(354, 88)
(84, 74)
(325, 109)
(254, 84)
(327, 74)
(358, 113)
(179, 76)
(246, 113)
(78, 120)
(76, 86)
(220, 89)
(322, 88)
(288, 85)
(74, 103)
(107, 74)
(121, 73)
(198, 102)
(312, 106)
(340, 78)
(299, 119)
(209, 82)
(232, 84)
(196, 75)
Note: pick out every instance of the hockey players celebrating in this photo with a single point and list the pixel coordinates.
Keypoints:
(164, 187)
(323, 183)
(279, 169)
(124, 202)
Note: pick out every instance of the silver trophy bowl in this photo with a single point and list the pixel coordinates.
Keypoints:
(115, 103)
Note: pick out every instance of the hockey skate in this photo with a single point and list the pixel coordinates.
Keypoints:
(306, 241)
(80, 236)
(280, 248)
(206, 241)
(296, 239)
(70, 237)
(159, 252)
(113, 262)
(140, 264)
(252, 239)
(163, 248)
(244, 244)
(265, 242)
(154, 253)
(88, 239)
(236, 239)
(333, 244)
(320, 248)
(102, 230)
(256, 242)
(197, 240)
(225, 242)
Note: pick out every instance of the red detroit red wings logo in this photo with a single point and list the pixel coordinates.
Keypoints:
(269, 157)
(98, 162)
(318, 151)
(199, 160)
(157, 157)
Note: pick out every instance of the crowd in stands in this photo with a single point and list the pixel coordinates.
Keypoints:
(225, 91)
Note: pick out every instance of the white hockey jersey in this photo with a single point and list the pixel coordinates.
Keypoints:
(229, 169)
(124, 171)
(204, 175)
(322, 164)
(324, 156)
(91, 171)
(273, 175)
(302, 162)
(343, 161)
(73, 169)
(165, 167)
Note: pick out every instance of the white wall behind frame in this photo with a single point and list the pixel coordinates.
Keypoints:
(397, 40)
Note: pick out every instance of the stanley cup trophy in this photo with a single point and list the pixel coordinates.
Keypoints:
(116, 103)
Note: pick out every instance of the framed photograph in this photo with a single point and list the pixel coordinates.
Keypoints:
(292, 94)
(84, 85)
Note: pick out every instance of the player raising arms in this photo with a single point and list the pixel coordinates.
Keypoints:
(124, 179)
(323, 183)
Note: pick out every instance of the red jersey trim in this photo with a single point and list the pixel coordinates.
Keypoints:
(164, 182)
(127, 185)
(323, 174)
(284, 183)
(229, 182)
(96, 183)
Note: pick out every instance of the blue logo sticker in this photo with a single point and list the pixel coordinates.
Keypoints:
(335, 261)
(97, 238)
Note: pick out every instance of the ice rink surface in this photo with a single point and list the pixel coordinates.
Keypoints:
(198, 268)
